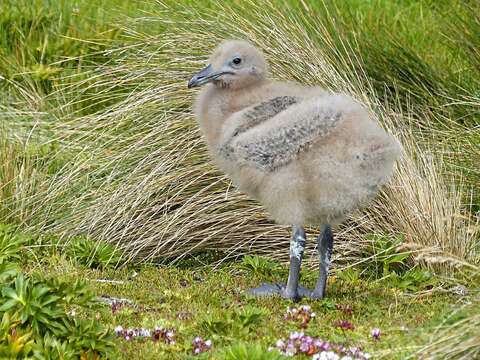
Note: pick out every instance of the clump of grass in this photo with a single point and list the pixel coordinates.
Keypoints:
(145, 183)
(94, 254)
(142, 179)
(244, 351)
(17, 180)
(457, 337)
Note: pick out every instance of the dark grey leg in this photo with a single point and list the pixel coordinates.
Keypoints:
(297, 247)
(325, 249)
(292, 291)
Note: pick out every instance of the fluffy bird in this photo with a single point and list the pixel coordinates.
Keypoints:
(309, 156)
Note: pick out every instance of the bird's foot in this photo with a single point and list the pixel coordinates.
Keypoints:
(316, 295)
(279, 290)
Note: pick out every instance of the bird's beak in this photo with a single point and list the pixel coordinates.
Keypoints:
(205, 76)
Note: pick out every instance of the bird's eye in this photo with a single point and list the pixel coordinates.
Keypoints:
(237, 61)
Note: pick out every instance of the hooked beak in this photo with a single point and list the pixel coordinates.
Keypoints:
(205, 76)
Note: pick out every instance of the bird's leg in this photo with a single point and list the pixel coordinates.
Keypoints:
(297, 247)
(325, 249)
(292, 291)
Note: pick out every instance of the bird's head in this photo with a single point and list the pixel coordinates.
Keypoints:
(234, 64)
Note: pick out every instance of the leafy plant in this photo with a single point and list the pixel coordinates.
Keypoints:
(390, 264)
(249, 316)
(10, 244)
(413, 279)
(212, 324)
(94, 254)
(349, 275)
(386, 255)
(14, 343)
(34, 312)
(34, 304)
(240, 322)
(259, 266)
(51, 348)
(244, 351)
(90, 338)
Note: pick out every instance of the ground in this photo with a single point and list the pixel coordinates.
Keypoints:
(201, 300)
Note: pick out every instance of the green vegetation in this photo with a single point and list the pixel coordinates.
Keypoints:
(102, 165)
(34, 312)
(47, 312)
(94, 254)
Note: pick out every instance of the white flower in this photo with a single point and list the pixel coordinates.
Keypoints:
(296, 335)
(332, 356)
(144, 332)
(326, 355)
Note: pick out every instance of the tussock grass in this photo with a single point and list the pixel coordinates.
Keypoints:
(139, 175)
(457, 337)
(19, 179)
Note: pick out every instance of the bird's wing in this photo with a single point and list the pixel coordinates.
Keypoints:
(259, 113)
(271, 136)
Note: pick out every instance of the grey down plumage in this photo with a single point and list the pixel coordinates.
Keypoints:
(309, 156)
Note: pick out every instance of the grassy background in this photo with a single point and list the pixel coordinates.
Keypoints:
(97, 137)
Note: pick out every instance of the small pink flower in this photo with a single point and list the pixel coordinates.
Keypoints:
(376, 333)
(300, 344)
(118, 330)
(302, 315)
(344, 325)
(200, 345)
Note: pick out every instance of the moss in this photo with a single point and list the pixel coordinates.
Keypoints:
(208, 302)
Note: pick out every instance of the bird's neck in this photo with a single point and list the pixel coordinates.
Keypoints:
(215, 105)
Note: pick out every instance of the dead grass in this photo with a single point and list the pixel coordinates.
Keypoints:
(457, 338)
(140, 176)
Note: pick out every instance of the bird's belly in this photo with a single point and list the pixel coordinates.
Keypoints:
(318, 190)
(247, 179)
(323, 185)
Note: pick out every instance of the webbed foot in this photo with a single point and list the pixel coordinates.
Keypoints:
(267, 289)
